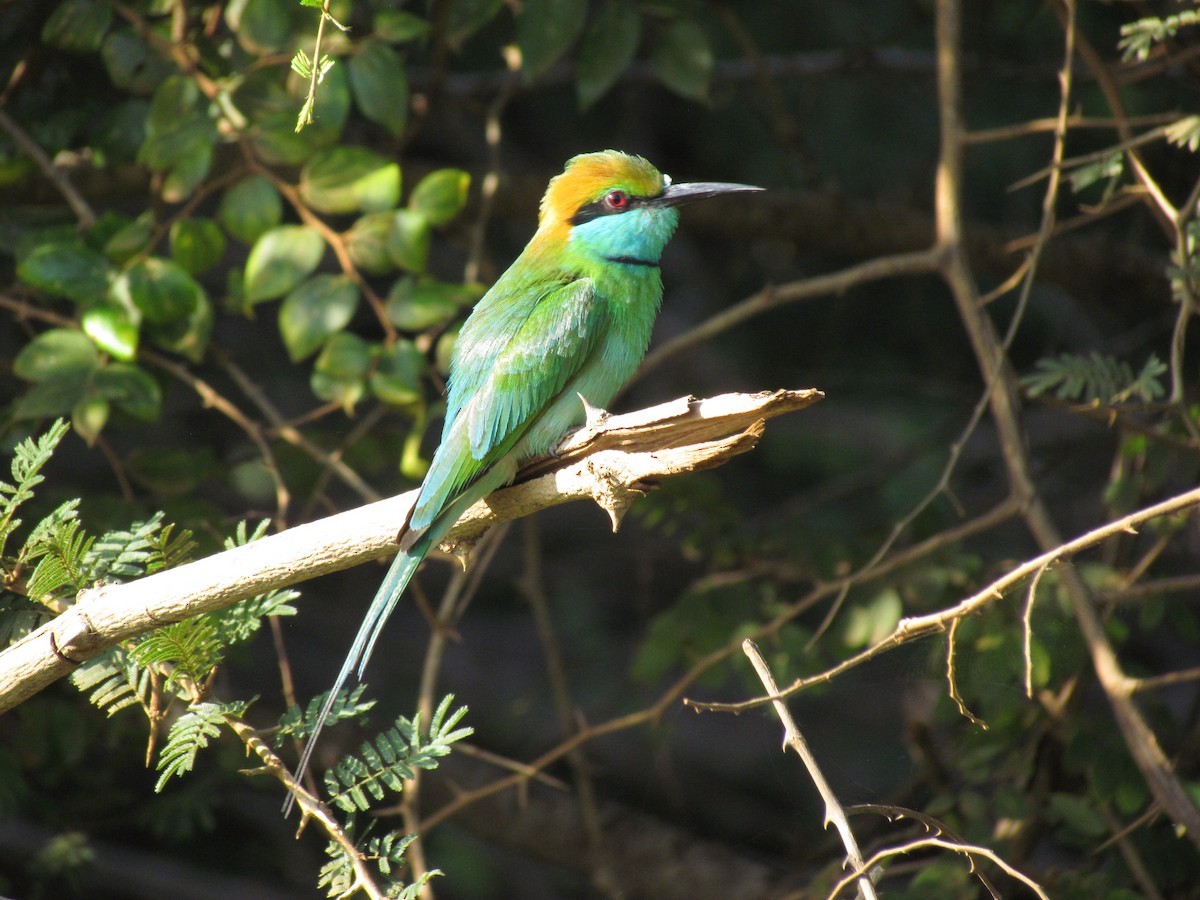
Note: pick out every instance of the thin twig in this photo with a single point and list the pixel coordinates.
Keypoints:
(833, 808)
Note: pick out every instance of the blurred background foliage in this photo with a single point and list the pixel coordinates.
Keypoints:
(244, 319)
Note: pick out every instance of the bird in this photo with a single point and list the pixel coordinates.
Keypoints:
(559, 333)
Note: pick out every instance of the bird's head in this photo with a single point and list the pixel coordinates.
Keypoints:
(618, 206)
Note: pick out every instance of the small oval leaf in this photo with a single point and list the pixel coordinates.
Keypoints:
(397, 376)
(68, 270)
(345, 179)
(608, 48)
(545, 30)
(380, 86)
(162, 290)
(314, 312)
(408, 241)
(683, 59)
(250, 208)
(196, 244)
(440, 195)
(54, 353)
(280, 260)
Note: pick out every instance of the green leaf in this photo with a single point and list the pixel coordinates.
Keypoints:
(607, 50)
(871, 622)
(397, 376)
(131, 388)
(345, 179)
(440, 195)
(89, 416)
(367, 243)
(127, 242)
(56, 353)
(398, 26)
(67, 269)
(280, 260)
(190, 169)
(408, 241)
(250, 208)
(339, 372)
(380, 86)
(78, 26)
(414, 305)
(188, 336)
(261, 26)
(133, 65)
(545, 30)
(113, 326)
(683, 59)
(196, 244)
(467, 16)
(162, 290)
(318, 309)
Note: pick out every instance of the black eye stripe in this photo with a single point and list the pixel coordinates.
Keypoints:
(598, 208)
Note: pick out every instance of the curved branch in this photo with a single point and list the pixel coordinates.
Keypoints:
(612, 460)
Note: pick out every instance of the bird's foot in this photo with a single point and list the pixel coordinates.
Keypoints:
(595, 415)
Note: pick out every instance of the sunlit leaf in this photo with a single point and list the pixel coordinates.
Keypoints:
(113, 327)
(440, 195)
(339, 374)
(415, 305)
(280, 260)
(89, 416)
(345, 179)
(397, 376)
(408, 241)
(318, 309)
(367, 243)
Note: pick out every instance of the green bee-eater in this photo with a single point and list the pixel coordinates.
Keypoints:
(568, 322)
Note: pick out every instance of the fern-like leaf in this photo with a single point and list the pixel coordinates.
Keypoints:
(190, 734)
(298, 725)
(114, 681)
(1095, 378)
(28, 460)
(63, 562)
(391, 758)
(191, 648)
(1138, 38)
(239, 622)
(386, 851)
(123, 553)
(168, 550)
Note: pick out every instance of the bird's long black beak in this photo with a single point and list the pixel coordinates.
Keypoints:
(679, 194)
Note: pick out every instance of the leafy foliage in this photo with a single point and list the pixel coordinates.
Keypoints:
(384, 764)
(1096, 378)
(190, 734)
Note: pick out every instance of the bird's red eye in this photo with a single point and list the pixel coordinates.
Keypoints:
(617, 200)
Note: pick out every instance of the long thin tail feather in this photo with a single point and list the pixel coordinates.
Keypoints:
(403, 567)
